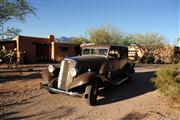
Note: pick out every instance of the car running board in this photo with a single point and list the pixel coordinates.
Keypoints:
(118, 81)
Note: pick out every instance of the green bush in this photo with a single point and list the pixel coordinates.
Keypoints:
(168, 80)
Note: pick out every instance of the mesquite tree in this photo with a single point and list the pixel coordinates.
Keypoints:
(13, 10)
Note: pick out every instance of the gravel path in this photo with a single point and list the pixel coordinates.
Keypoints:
(134, 100)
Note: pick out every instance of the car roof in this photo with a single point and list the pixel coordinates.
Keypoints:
(103, 46)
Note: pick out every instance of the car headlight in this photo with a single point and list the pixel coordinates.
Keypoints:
(73, 72)
(51, 68)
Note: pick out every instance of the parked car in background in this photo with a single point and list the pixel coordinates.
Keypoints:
(82, 76)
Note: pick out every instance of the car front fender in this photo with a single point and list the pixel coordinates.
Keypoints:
(83, 79)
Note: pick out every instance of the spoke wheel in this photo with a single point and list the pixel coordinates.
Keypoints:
(91, 91)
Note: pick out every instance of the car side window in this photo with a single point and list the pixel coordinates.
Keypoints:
(124, 53)
(86, 51)
(114, 54)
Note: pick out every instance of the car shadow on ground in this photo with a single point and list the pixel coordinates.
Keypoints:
(54, 114)
(140, 85)
(18, 76)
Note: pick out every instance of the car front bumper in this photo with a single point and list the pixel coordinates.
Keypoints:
(59, 91)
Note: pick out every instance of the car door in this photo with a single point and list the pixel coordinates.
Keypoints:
(114, 63)
(117, 60)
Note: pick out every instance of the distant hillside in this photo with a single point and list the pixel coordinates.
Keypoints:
(64, 39)
(7, 39)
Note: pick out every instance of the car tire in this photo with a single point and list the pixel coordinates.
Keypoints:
(91, 91)
(53, 84)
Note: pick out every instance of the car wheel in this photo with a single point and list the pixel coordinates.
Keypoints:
(53, 84)
(91, 93)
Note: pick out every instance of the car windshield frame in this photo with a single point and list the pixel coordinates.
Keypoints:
(95, 51)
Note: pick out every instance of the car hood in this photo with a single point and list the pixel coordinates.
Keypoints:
(88, 59)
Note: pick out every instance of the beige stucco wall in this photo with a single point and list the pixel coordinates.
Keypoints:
(26, 47)
(57, 54)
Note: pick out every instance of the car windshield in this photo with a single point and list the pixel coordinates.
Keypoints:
(98, 51)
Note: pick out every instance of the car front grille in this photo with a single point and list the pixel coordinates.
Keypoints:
(64, 77)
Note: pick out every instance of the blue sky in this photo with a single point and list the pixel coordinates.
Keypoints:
(75, 17)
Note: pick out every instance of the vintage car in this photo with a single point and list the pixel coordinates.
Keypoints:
(82, 76)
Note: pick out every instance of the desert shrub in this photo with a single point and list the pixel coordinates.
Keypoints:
(168, 80)
(176, 58)
(7, 56)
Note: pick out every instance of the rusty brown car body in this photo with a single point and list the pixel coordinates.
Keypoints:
(82, 76)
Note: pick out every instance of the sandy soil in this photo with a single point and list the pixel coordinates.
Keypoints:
(21, 98)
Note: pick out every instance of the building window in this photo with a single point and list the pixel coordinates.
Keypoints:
(64, 49)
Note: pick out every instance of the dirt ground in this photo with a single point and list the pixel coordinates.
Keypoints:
(21, 98)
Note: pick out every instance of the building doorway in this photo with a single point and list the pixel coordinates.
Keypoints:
(43, 52)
